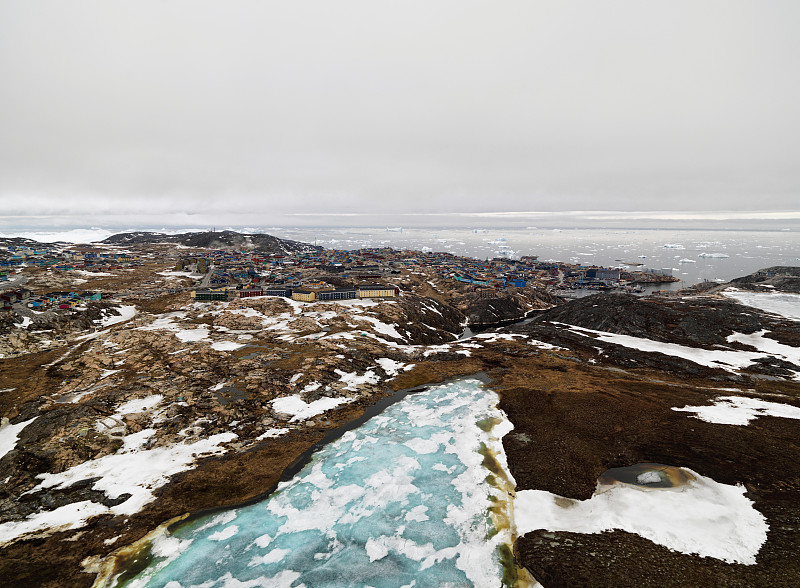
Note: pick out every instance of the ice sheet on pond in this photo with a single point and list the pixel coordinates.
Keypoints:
(403, 500)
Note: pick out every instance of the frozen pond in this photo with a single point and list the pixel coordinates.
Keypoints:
(417, 495)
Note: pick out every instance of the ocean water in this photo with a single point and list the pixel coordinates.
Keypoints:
(416, 496)
(691, 255)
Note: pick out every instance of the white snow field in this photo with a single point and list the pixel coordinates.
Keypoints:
(702, 517)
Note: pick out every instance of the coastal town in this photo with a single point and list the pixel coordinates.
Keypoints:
(223, 274)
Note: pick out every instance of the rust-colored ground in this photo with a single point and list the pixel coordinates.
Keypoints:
(572, 421)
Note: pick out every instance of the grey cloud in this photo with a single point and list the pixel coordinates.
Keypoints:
(190, 108)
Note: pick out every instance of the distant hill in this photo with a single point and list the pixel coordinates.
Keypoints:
(213, 239)
(20, 242)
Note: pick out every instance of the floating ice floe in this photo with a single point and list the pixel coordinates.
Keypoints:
(738, 410)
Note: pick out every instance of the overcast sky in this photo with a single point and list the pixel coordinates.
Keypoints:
(259, 113)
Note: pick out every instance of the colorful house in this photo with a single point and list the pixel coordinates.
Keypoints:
(303, 295)
(377, 291)
(337, 294)
(208, 295)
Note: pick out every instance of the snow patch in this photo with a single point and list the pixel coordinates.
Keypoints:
(737, 410)
(126, 313)
(301, 410)
(153, 469)
(702, 517)
(353, 380)
(226, 346)
(780, 303)
(390, 366)
(9, 434)
(723, 359)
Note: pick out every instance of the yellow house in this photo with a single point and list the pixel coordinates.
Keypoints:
(376, 291)
(303, 295)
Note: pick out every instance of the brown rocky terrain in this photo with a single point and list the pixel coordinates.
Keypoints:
(579, 405)
(781, 278)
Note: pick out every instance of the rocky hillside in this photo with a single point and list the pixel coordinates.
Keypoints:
(698, 321)
(507, 305)
(675, 335)
(780, 278)
(212, 239)
(20, 242)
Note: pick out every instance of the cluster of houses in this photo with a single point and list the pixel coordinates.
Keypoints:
(232, 268)
(65, 260)
(65, 300)
(10, 297)
(318, 275)
(60, 300)
(300, 294)
(292, 275)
